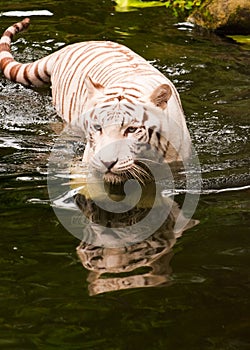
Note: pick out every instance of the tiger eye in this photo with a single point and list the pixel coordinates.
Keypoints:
(131, 129)
(97, 127)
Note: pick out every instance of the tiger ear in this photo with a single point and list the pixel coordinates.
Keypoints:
(161, 95)
(93, 88)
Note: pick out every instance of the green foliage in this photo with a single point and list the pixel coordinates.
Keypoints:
(178, 6)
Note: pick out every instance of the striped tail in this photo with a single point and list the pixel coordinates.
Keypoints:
(31, 74)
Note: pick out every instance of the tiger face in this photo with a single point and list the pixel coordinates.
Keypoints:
(121, 129)
(115, 151)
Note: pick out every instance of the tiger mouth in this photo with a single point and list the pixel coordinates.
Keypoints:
(114, 178)
(138, 171)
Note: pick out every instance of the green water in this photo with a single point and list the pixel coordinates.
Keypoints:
(45, 300)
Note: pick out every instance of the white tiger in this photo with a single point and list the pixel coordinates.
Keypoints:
(117, 98)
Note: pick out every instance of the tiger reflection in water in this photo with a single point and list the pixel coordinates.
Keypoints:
(143, 264)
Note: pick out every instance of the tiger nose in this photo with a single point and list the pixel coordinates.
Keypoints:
(109, 165)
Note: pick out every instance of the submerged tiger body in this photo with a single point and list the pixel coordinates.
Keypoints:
(113, 94)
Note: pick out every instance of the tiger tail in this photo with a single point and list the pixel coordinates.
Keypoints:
(35, 74)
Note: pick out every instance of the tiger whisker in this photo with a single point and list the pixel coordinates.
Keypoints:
(137, 173)
(140, 174)
(136, 176)
(142, 171)
(147, 160)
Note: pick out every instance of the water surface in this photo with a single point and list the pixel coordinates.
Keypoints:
(204, 302)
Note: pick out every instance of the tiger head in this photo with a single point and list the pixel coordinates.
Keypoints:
(121, 127)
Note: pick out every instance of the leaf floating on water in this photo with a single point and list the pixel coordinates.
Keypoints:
(132, 5)
(242, 39)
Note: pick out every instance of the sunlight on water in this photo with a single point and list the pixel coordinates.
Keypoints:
(26, 13)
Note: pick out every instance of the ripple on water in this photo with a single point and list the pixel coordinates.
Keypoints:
(237, 251)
